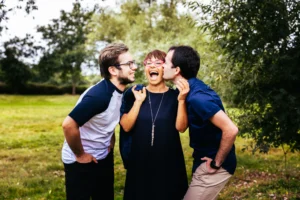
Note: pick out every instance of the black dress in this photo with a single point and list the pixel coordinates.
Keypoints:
(155, 172)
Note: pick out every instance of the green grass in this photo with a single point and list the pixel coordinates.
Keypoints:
(30, 157)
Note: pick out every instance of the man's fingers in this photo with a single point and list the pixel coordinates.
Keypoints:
(95, 160)
(205, 158)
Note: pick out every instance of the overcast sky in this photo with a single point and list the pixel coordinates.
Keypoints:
(20, 22)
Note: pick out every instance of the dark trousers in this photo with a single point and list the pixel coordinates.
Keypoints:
(91, 180)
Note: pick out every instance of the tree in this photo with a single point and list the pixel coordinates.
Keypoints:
(16, 73)
(261, 40)
(66, 39)
(4, 10)
(145, 27)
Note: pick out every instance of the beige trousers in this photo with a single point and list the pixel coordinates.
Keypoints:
(205, 186)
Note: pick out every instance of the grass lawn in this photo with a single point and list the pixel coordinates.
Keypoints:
(30, 157)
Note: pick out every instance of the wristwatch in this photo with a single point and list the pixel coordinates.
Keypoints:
(213, 165)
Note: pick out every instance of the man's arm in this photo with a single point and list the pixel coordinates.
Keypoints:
(72, 135)
(229, 132)
(128, 119)
(182, 118)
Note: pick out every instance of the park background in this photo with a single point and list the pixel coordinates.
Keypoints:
(250, 54)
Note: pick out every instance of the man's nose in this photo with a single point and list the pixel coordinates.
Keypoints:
(135, 66)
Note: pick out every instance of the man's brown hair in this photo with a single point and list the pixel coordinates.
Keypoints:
(109, 57)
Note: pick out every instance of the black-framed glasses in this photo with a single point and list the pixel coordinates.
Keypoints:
(131, 64)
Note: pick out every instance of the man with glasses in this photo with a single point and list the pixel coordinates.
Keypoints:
(212, 133)
(87, 152)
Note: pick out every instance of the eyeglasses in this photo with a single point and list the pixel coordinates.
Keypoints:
(131, 64)
(157, 63)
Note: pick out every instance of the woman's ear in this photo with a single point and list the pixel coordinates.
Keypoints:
(113, 70)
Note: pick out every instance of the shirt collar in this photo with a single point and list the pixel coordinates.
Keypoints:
(192, 81)
(112, 85)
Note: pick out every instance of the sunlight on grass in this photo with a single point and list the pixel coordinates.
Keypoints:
(30, 158)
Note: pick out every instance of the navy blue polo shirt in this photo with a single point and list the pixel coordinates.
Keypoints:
(205, 137)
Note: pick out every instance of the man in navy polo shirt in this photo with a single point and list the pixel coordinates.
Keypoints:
(87, 152)
(212, 133)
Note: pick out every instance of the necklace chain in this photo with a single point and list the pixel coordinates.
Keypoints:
(153, 120)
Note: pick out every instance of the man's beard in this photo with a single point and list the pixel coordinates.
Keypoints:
(124, 80)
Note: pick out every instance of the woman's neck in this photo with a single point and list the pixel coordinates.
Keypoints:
(160, 88)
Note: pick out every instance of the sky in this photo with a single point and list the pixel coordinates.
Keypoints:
(20, 22)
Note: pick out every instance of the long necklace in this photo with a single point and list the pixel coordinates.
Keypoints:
(153, 120)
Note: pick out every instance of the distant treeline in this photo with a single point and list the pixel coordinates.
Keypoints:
(36, 88)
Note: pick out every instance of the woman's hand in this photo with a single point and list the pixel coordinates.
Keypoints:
(183, 87)
(140, 95)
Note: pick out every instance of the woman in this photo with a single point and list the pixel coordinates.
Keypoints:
(154, 115)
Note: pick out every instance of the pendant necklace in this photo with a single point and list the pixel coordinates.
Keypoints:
(153, 120)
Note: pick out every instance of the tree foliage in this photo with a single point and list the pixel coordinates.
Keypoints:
(66, 38)
(261, 40)
(4, 10)
(14, 72)
(148, 25)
